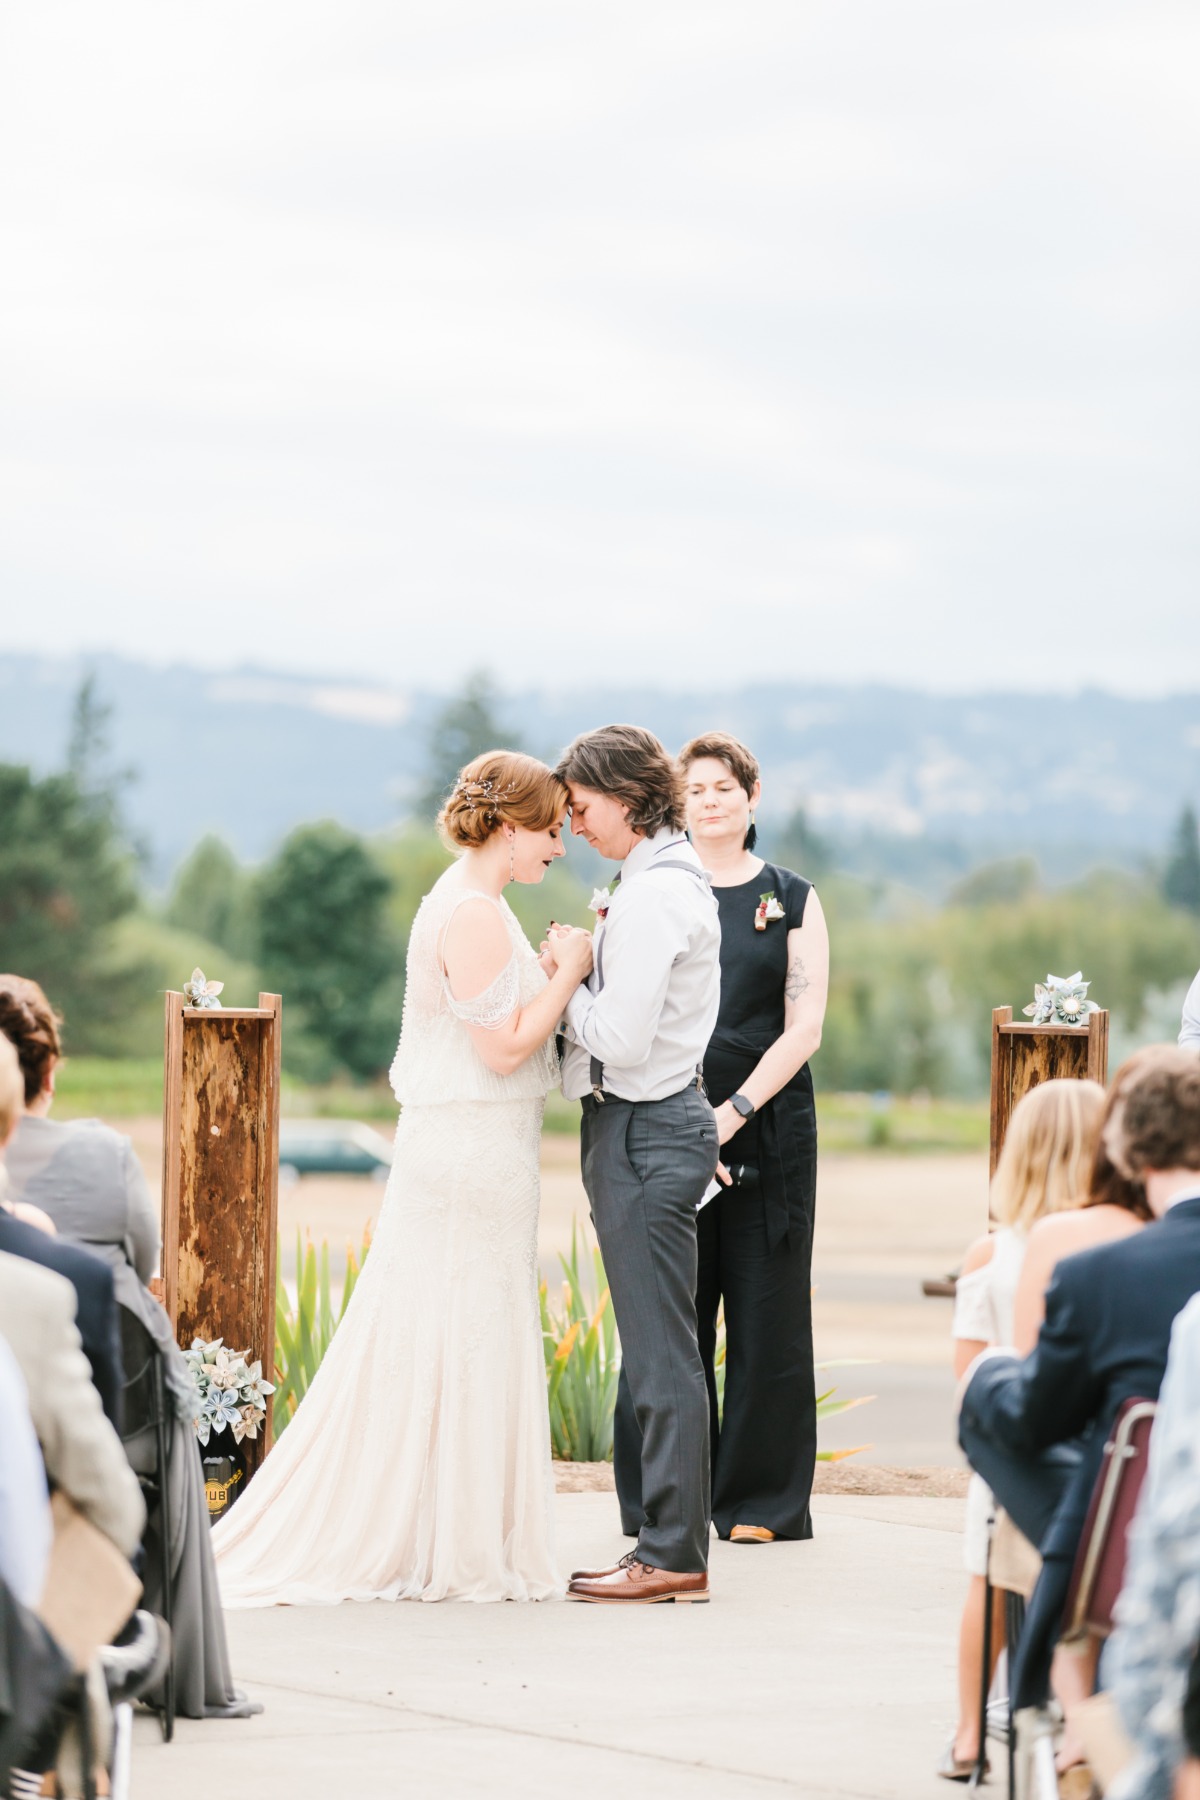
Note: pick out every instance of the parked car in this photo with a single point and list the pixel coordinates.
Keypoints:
(331, 1147)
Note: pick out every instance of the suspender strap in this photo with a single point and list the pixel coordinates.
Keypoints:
(597, 1068)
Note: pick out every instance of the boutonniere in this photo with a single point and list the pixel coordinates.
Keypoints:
(599, 902)
(768, 908)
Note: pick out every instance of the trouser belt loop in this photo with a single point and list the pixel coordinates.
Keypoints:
(597, 1081)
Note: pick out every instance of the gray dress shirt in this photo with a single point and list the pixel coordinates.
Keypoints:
(1189, 1037)
(650, 1019)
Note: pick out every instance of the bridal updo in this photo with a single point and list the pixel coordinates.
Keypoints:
(31, 1024)
(501, 787)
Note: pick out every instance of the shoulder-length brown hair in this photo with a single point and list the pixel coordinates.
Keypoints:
(630, 764)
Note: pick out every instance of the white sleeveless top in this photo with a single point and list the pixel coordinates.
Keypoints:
(436, 1060)
(984, 1300)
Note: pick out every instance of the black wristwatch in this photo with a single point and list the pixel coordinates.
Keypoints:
(741, 1105)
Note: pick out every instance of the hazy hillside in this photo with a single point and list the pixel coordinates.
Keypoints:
(250, 753)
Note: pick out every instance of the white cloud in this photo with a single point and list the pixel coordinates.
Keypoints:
(389, 339)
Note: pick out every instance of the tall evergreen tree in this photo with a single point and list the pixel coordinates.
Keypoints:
(325, 944)
(67, 875)
(208, 896)
(1181, 878)
(465, 727)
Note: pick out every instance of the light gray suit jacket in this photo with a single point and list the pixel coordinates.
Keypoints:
(83, 1454)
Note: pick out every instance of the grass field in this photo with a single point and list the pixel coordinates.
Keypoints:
(93, 1086)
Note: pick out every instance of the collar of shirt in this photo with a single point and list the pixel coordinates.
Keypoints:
(1190, 1192)
(646, 849)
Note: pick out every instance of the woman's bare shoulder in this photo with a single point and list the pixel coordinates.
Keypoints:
(1080, 1227)
(978, 1255)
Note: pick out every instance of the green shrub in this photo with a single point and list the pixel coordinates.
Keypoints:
(304, 1331)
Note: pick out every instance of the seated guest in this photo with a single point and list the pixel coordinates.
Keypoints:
(24, 1502)
(1043, 1167)
(1113, 1208)
(1035, 1429)
(96, 1312)
(81, 1451)
(87, 1178)
(1153, 1650)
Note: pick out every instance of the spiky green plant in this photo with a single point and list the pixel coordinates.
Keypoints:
(304, 1329)
(582, 1363)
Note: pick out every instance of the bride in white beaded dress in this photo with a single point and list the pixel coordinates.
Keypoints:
(417, 1467)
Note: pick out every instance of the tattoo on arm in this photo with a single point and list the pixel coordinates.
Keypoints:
(797, 980)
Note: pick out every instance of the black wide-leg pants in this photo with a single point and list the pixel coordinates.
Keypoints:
(764, 1449)
(645, 1166)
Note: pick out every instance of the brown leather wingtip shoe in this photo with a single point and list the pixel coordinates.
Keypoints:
(634, 1583)
(751, 1534)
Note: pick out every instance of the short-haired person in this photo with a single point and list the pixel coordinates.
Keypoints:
(756, 1234)
(1035, 1429)
(636, 1037)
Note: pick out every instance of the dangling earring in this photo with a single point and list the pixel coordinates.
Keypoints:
(512, 873)
(751, 837)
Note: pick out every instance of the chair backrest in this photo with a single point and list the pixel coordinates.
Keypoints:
(142, 1393)
(1099, 1571)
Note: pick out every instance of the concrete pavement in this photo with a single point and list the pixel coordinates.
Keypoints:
(823, 1670)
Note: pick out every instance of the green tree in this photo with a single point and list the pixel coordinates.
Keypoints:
(209, 896)
(325, 944)
(1011, 880)
(465, 727)
(1181, 879)
(67, 875)
(797, 845)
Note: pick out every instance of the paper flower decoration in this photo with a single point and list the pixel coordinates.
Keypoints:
(199, 992)
(229, 1390)
(1062, 1001)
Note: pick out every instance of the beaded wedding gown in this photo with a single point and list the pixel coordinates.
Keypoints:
(417, 1466)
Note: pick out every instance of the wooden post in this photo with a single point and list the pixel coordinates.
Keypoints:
(221, 1178)
(1025, 1055)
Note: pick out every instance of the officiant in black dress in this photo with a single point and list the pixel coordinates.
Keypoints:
(755, 1236)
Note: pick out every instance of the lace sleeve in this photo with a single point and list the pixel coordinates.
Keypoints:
(496, 1003)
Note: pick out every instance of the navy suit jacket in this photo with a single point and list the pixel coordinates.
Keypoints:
(96, 1312)
(1105, 1338)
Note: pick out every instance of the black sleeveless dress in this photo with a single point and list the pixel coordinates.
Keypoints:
(755, 1239)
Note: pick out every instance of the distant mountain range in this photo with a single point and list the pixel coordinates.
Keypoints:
(250, 753)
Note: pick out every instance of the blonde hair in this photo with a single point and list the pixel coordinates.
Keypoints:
(501, 787)
(12, 1089)
(1045, 1165)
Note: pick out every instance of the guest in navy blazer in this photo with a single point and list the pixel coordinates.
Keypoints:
(1035, 1429)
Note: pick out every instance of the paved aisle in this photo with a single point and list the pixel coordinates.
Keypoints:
(822, 1669)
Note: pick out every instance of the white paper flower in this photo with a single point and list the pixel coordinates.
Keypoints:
(200, 992)
(600, 901)
(1063, 1000)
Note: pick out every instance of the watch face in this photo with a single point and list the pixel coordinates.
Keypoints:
(742, 1105)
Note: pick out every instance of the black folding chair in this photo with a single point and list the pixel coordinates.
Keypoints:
(147, 1412)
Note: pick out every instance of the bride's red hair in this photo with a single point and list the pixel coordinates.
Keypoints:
(501, 787)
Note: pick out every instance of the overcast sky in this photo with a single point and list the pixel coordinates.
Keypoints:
(661, 338)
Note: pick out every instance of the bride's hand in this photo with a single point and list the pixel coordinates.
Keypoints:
(546, 960)
(571, 949)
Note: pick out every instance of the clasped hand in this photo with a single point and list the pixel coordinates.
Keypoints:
(567, 947)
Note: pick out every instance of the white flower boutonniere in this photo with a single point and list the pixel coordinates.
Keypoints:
(768, 908)
(599, 902)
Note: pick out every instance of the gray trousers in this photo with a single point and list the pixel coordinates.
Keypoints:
(645, 1165)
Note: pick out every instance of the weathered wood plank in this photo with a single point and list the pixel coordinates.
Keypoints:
(221, 1159)
(1025, 1055)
